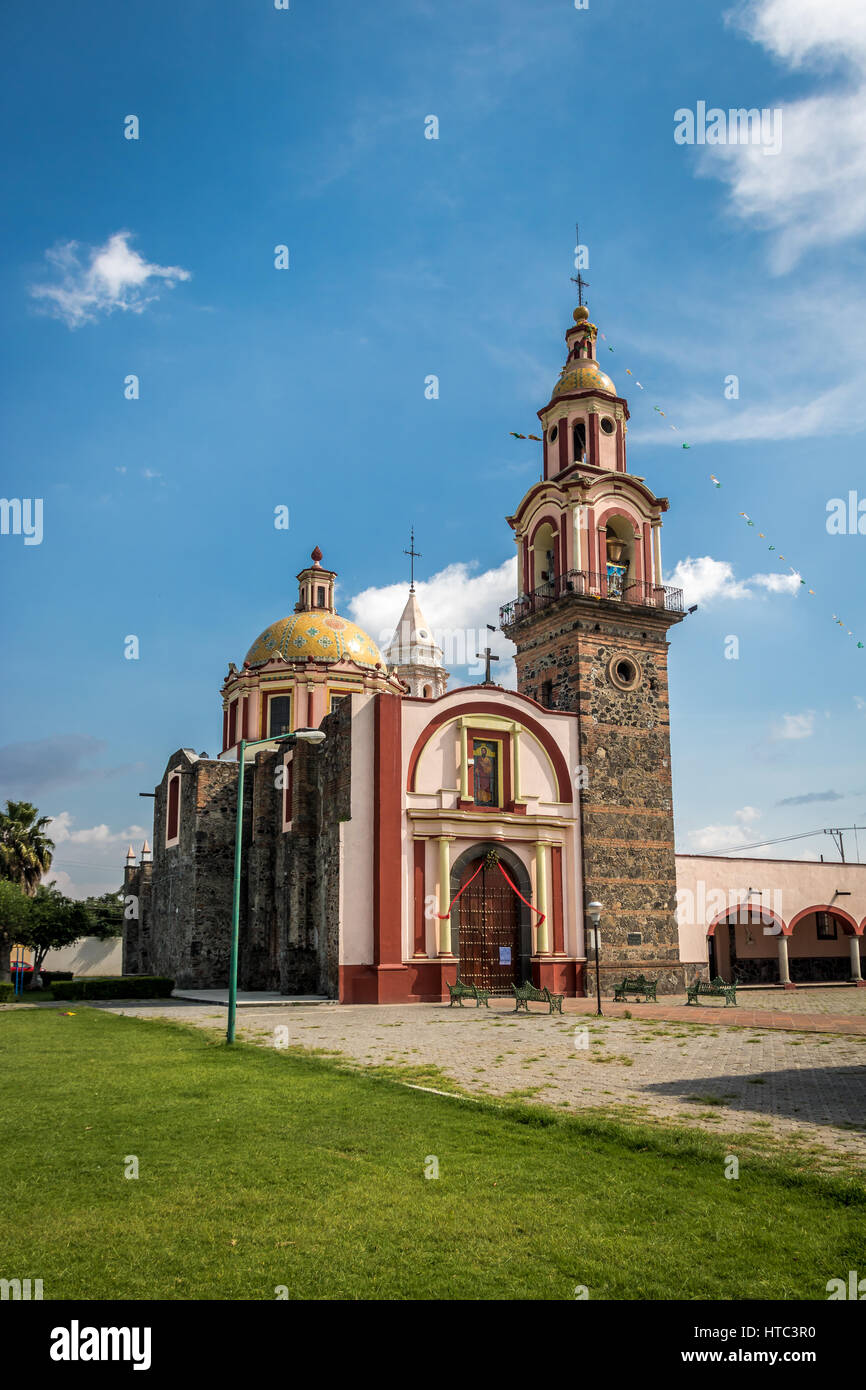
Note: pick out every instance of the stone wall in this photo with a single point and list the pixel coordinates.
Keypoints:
(290, 884)
(627, 830)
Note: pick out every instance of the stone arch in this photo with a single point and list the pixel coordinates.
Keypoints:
(519, 874)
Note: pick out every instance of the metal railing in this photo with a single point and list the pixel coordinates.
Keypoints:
(586, 584)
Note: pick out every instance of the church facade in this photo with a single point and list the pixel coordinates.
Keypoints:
(431, 831)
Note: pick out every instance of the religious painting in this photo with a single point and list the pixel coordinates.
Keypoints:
(486, 755)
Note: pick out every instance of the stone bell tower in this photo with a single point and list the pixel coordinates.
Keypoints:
(590, 625)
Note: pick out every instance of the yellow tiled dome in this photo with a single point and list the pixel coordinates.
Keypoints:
(323, 635)
(583, 376)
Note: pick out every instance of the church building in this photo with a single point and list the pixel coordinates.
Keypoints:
(436, 831)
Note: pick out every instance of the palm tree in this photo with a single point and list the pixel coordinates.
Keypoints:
(25, 850)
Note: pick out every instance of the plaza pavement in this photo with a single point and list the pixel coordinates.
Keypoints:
(791, 1070)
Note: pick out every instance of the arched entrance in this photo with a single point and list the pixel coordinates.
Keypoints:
(492, 935)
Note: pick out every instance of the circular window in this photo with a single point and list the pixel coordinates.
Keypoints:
(624, 671)
(422, 635)
(607, 425)
(552, 437)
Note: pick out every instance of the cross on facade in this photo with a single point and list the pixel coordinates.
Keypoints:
(416, 555)
(578, 278)
(488, 657)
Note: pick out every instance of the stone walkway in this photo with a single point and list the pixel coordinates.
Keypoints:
(787, 1080)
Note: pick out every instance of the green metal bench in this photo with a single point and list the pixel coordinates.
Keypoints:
(527, 993)
(460, 991)
(707, 989)
(635, 984)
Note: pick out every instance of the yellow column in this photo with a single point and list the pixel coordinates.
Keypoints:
(515, 743)
(464, 764)
(542, 938)
(444, 894)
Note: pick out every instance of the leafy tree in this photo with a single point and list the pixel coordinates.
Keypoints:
(25, 850)
(14, 911)
(52, 922)
(106, 915)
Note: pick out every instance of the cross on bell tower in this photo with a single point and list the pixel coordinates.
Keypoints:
(415, 555)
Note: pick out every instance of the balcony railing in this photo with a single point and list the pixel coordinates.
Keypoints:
(585, 584)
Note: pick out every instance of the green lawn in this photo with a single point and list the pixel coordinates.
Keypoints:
(260, 1169)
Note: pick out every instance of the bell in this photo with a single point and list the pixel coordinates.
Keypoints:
(615, 550)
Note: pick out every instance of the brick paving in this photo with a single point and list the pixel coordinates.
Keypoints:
(765, 1076)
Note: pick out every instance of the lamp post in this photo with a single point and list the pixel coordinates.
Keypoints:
(289, 740)
(594, 912)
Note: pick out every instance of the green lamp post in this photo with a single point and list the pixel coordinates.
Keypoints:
(289, 741)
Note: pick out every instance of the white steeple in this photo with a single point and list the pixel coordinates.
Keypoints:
(414, 655)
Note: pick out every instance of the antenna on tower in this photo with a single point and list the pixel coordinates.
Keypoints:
(578, 278)
(415, 555)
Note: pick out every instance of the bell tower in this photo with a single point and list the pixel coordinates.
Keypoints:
(590, 625)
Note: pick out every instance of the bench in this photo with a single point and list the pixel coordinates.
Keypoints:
(706, 989)
(527, 993)
(635, 984)
(460, 991)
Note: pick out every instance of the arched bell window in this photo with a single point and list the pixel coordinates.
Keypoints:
(620, 560)
(578, 435)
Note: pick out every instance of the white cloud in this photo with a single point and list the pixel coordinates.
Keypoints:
(98, 280)
(90, 860)
(704, 580)
(458, 604)
(721, 837)
(860, 702)
(813, 192)
(795, 726)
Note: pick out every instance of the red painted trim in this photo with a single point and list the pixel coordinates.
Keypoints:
(563, 443)
(244, 717)
(173, 819)
(592, 442)
(387, 847)
(544, 449)
(560, 765)
(844, 917)
(546, 519)
(760, 912)
(556, 887)
(310, 714)
(620, 446)
(419, 869)
(233, 724)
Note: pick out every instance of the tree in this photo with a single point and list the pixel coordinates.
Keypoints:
(52, 922)
(106, 915)
(25, 850)
(14, 912)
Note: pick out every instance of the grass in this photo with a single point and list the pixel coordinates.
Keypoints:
(261, 1168)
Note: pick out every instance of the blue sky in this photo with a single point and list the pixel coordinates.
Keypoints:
(411, 257)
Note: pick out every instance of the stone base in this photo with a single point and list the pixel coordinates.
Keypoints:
(672, 977)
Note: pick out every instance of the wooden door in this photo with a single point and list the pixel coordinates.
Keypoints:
(489, 931)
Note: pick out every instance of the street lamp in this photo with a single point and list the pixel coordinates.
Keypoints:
(289, 740)
(594, 912)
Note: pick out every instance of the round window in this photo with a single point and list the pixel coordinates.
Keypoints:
(624, 671)
(552, 437)
(607, 425)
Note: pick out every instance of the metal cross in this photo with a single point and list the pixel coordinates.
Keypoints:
(416, 555)
(578, 278)
(488, 657)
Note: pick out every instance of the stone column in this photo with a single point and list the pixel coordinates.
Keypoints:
(542, 936)
(784, 973)
(854, 944)
(444, 894)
